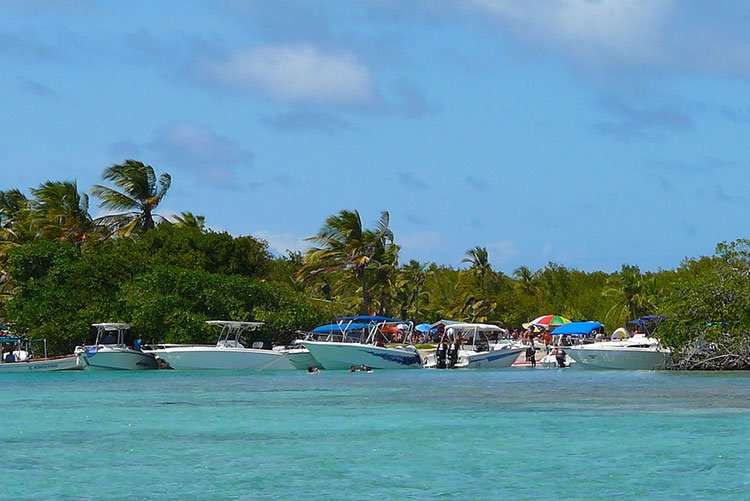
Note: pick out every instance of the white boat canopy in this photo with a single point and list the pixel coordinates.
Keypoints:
(464, 327)
(111, 326)
(234, 325)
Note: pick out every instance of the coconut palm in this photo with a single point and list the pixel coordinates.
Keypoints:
(411, 279)
(16, 224)
(139, 195)
(633, 295)
(187, 219)
(61, 213)
(525, 279)
(342, 244)
(479, 264)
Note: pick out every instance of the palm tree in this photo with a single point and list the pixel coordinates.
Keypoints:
(187, 219)
(412, 277)
(479, 264)
(525, 278)
(342, 244)
(16, 224)
(140, 194)
(61, 213)
(632, 293)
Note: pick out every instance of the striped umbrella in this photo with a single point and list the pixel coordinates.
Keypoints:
(547, 321)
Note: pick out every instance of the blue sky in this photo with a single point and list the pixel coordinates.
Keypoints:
(589, 133)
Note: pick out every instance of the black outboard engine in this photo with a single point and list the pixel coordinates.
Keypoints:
(560, 357)
(440, 354)
(452, 354)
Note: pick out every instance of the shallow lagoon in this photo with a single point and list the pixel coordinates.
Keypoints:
(525, 433)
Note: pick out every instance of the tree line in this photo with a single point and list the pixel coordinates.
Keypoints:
(61, 270)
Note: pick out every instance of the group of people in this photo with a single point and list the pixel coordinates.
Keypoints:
(362, 368)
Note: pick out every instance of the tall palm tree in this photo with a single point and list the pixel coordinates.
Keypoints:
(139, 195)
(412, 277)
(479, 264)
(343, 244)
(61, 213)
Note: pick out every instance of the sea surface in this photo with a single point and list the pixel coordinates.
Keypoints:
(411, 434)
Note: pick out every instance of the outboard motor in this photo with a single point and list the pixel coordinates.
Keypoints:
(440, 354)
(560, 357)
(452, 354)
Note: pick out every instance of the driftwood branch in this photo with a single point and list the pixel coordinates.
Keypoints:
(731, 353)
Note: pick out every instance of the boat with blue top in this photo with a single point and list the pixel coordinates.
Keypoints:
(380, 343)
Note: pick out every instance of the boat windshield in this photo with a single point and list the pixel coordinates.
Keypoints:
(112, 334)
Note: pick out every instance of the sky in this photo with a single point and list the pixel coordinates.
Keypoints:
(589, 133)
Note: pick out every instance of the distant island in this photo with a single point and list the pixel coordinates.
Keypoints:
(62, 270)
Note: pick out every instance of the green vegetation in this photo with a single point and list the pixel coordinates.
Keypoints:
(61, 270)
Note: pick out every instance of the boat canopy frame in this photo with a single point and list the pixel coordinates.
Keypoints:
(232, 331)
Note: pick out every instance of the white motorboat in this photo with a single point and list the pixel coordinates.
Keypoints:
(639, 350)
(367, 346)
(110, 351)
(228, 354)
(474, 346)
(20, 357)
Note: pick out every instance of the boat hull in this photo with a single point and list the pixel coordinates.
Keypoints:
(341, 356)
(624, 359)
(302, 359)
(66, 363)
(494, 359)
(497, 359)
(221, 358)
(109, 359)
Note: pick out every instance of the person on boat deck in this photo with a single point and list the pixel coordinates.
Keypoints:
(137, 344)
(10, 357)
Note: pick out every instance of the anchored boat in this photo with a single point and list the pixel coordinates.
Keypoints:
(368, 345)
(18, 355)
(111, 352)
(632, 348)
(229, 353)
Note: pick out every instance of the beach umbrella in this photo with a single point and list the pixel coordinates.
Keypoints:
(425, 328)
(547, 321)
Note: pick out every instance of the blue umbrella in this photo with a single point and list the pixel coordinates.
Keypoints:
(425, 328)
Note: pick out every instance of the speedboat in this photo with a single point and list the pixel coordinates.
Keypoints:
(368, 345)
(631, 348)
(18, 355)
(110, 351)
(229, 353)
(475, 346)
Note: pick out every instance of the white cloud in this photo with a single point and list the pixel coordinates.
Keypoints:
(295, 73)
(502, 251)
(282, 242)
(193, 147)
(600, 32)
(415, 241)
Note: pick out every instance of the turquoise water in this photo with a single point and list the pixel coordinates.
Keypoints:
(523, 433)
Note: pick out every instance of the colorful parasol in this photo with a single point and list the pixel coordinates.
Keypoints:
(547, 321)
